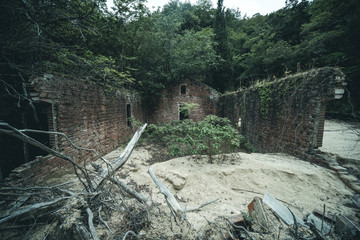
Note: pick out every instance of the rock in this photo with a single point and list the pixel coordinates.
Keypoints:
(177, 181)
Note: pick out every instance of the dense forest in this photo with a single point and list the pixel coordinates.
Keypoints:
(131, 47)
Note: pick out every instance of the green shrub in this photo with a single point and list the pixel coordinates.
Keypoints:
(213, 135)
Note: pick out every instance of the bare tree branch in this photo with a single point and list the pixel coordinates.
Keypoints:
(30, 208)
(120, 161)
(131, 191)
(91, 224)
(18, 134)
(169, 197)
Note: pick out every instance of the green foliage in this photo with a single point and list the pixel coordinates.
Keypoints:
(221, 74)
(213, 135)
(264, 91)
(133, 48)
(193, 54)
(186, 108)
(92, 68)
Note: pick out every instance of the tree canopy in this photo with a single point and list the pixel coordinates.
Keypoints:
(130, 47)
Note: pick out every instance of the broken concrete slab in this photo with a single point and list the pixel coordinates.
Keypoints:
(327, 217)
(280, 210)
(319, 224)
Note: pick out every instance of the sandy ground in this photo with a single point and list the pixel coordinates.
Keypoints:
(342, 138)
(235, 180)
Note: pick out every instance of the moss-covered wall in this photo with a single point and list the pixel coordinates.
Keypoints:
(286, 114)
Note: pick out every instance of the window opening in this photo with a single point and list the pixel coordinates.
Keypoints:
(128, 115)
(183, 89)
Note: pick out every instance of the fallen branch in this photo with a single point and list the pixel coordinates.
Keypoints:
(120, 161)
(27, 209)
(201, 206)
(18, 204)
(18, 134)
(169, 197)
(91, 224)
(127, 233)
(241, 228)
(131, 191)
(217, 225)
(103, 221)
(67, 139)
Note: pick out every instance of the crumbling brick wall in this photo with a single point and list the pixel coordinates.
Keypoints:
(286, 115)
(88, 116)
(203, 98)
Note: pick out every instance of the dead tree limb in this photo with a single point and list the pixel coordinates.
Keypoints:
(91, 224)
(120, 161)
(127, 233)
(169, 197)
(131, 191)
(67, 139)
(171, 200)
(201, 206)
(103, 221)
(27, 209)
(18, 134)
(92, 185)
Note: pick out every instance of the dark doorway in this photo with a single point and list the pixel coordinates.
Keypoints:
(183, 89)
(183, 112)
(38, 120)
(128, 115)
(14, 151)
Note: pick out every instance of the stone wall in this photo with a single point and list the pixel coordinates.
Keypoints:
(203, 98)
(88, 116)
(286, 115)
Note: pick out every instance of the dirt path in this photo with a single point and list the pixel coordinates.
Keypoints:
(342, 138)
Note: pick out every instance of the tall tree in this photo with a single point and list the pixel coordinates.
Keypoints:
(222, 74)
(330, 38)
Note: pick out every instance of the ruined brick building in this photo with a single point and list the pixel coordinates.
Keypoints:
(91, 119)
(203, 98)
(285, 115)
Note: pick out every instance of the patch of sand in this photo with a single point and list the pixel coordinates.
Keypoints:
(235, 180)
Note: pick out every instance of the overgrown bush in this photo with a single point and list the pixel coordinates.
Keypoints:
(213, 135)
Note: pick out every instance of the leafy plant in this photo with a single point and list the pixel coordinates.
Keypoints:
(186, 108)
(213, 135)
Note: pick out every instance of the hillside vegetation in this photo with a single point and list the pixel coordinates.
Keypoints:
(131, 47)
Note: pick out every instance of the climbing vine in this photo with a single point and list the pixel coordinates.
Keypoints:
(265, 98)
(274, 92)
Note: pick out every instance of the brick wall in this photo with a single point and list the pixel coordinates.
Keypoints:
(286, 115)
(204, 98)
(89, 117)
